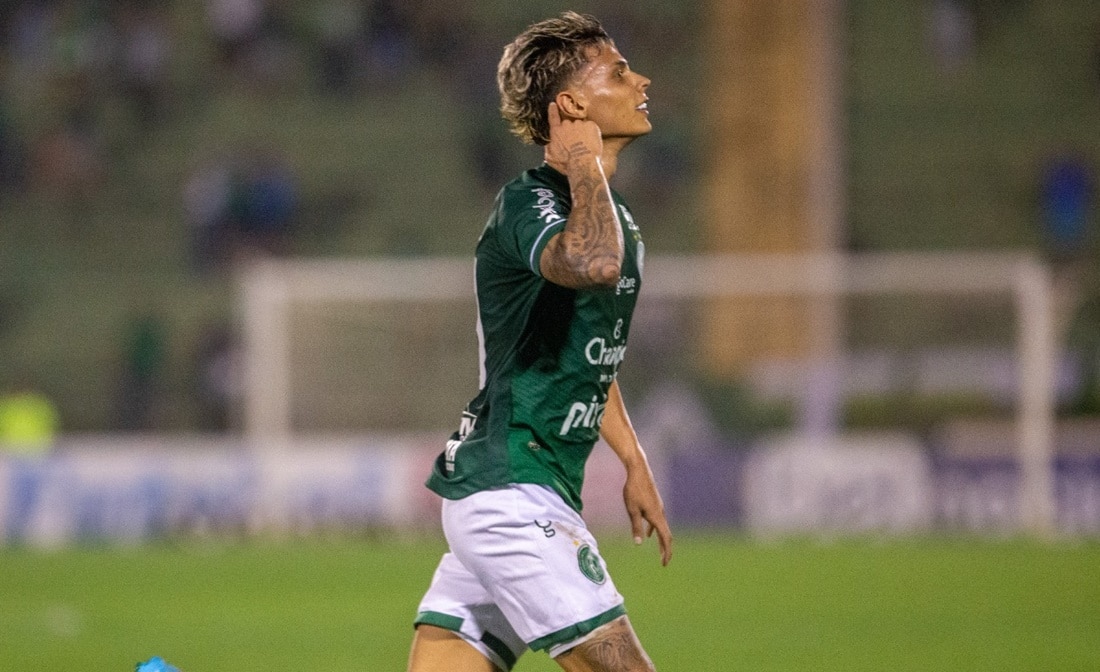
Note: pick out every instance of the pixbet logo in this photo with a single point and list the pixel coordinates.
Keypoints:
(547, 206)
(583, 415)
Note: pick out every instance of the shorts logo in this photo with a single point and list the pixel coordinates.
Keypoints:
(547, 529)
(590, 565)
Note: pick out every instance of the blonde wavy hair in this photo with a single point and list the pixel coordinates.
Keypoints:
(538, 64)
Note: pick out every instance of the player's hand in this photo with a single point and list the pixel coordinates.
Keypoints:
(647, 511)
(572, 141)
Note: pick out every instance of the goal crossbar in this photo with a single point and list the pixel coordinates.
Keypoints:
(268, 287)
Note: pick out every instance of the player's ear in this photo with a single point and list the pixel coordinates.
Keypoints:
(571, 105)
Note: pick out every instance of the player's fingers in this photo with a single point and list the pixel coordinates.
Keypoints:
(659, 524)
(637, 525)
(664, 543)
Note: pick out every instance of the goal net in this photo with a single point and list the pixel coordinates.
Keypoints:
(389, 345)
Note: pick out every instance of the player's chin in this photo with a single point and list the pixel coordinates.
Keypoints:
(632, 133)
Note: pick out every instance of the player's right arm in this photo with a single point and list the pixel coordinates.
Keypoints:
(588, 253)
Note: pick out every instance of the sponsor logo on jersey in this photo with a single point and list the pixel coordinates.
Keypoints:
(449, 455)
(628, 218)
(547, 206)
(590, 565)
(465, 426)
(581, 414)
(598, 352)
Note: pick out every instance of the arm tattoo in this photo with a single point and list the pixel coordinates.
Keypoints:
(590, 249)
(578, 150)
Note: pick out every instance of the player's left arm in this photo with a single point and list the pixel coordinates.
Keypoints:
(643, 501)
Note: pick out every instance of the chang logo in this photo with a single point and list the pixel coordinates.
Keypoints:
(599, 353)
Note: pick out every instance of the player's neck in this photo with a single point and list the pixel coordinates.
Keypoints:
(609, 159)
(610, 155)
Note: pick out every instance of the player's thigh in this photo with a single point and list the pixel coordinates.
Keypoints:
(611, 648)
(438, 650)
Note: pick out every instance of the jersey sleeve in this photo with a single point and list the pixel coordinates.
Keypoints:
(531, 216)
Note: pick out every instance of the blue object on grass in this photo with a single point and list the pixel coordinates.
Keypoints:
(156, 664)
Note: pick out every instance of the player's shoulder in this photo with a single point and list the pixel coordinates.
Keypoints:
(537, 196)
(524, 217)
(534, 185)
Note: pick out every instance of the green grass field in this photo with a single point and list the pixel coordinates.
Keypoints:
(724, 604)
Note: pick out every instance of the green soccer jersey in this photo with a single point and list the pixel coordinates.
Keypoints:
(548, 354)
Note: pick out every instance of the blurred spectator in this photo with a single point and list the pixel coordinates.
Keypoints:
(339, 25)
(28, 37)
(240, 207)
(146, 48)
(66, 162)
(206, 209)
(253, 41)
(389, 43)
(265, 204)
(1067, 186)
(274, 60)
(235, 26)
(142, 370)
(951, 33)
(82, 47)
(28, 421)
(218, 379)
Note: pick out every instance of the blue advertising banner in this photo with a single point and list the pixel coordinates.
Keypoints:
(132, 490)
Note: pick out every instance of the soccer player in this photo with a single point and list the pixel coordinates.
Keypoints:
(559, 267)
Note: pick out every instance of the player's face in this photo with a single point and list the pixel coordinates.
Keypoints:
(614, 96)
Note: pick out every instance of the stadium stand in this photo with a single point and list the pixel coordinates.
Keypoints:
(122, 124)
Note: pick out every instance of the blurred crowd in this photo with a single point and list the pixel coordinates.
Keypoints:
(83, 79)
(84, 83)
(88, 86)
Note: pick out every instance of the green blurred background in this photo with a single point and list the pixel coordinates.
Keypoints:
(133, 135)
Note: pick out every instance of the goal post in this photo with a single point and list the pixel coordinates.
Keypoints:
(270, 288)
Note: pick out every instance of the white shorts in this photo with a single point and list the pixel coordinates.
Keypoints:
(523, 571)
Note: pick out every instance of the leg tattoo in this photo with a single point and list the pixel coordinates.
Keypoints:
(613, 648)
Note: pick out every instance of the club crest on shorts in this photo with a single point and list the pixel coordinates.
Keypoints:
(590, 564)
